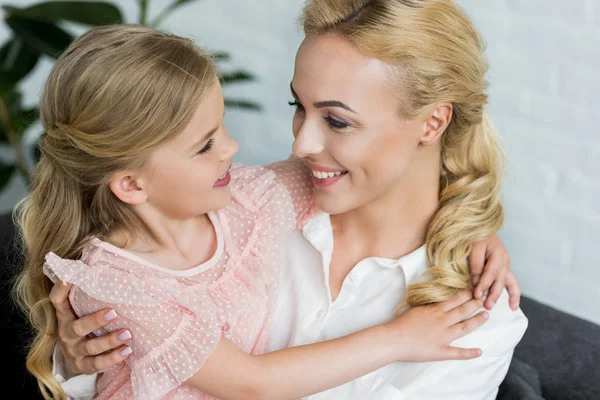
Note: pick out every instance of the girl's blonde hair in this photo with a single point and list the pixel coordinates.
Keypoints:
(116, 94)
(437, 56)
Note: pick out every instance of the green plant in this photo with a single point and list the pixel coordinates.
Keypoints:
(38, 31)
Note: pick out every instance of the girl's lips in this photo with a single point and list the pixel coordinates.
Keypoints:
(223, 181)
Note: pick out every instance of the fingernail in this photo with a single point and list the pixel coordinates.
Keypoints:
(486, 315)
(110, 315)
(492, 304)
(125, 351)
(479, 293)
(479, 352)
(124, 335)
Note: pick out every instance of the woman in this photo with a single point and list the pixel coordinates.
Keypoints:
(390, 99)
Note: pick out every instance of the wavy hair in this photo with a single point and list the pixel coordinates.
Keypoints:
(115, 94)
(436, 56)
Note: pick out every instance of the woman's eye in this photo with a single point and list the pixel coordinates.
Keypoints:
(335, 123)
(208, 146)
(294, 103)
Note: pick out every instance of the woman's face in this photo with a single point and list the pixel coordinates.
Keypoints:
(347, 125)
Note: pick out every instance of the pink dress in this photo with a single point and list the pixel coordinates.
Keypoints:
(178, 317)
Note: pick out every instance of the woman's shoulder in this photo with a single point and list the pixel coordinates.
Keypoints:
(500, 334)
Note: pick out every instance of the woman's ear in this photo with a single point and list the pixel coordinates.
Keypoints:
(436, 123)
(128, 187)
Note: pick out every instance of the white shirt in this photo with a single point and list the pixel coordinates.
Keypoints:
(305, 314)
(368, 296)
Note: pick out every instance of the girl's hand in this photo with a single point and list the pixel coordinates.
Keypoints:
(490, 269)
(424, 333)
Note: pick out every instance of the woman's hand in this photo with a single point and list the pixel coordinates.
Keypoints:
(83, 354)
(490, 269)
(424, 333)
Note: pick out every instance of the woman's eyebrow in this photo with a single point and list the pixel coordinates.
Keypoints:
(326, 103)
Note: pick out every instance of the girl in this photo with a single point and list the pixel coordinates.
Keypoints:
(136, 202)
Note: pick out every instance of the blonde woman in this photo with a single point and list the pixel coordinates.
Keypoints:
(136, 203)
(390, 99)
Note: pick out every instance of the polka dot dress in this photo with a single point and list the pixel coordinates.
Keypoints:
(178, 317)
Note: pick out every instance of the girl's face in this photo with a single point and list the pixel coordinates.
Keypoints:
(188, 176)
(347, 125)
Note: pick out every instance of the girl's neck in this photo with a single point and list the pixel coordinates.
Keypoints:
(175, 244)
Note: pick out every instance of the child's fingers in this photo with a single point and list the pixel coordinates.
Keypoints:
(514, 291)
(477, 258)
(463, 311)
(495, 293)
(467, 326)
(455, 301)
(456, 353)
(492, 270)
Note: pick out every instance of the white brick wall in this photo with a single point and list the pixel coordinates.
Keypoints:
(544, 56)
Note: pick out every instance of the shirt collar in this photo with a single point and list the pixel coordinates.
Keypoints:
(319, 232)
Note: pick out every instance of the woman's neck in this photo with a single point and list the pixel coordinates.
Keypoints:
(395, 223)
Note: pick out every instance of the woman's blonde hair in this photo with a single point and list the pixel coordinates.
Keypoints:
(115, 94)
(437, 56)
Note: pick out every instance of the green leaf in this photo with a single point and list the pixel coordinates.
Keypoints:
(3, 137)
(168, 10)
(17, 59)
(36, 153)
(220, 56)
(6, 172)
(243, 104)
(13, 102)
(43, 36)
(8, 80)
(236, 76)
(25, 119)
(94, 13)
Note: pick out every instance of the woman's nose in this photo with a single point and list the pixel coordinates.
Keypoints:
(308, 142)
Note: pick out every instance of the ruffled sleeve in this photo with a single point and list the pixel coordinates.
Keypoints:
(174, 328)
(293, 175)
(281, 191)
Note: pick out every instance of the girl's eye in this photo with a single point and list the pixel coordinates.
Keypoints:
(335, 123)
(294, 103)
(208, 146)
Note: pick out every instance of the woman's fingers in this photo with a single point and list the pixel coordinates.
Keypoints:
(59, 297)
(103, 344)
(87, 324)
(93, 364)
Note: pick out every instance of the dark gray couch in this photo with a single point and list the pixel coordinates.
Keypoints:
(558, 358)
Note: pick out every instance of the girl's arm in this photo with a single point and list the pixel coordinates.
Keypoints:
(420, 334)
